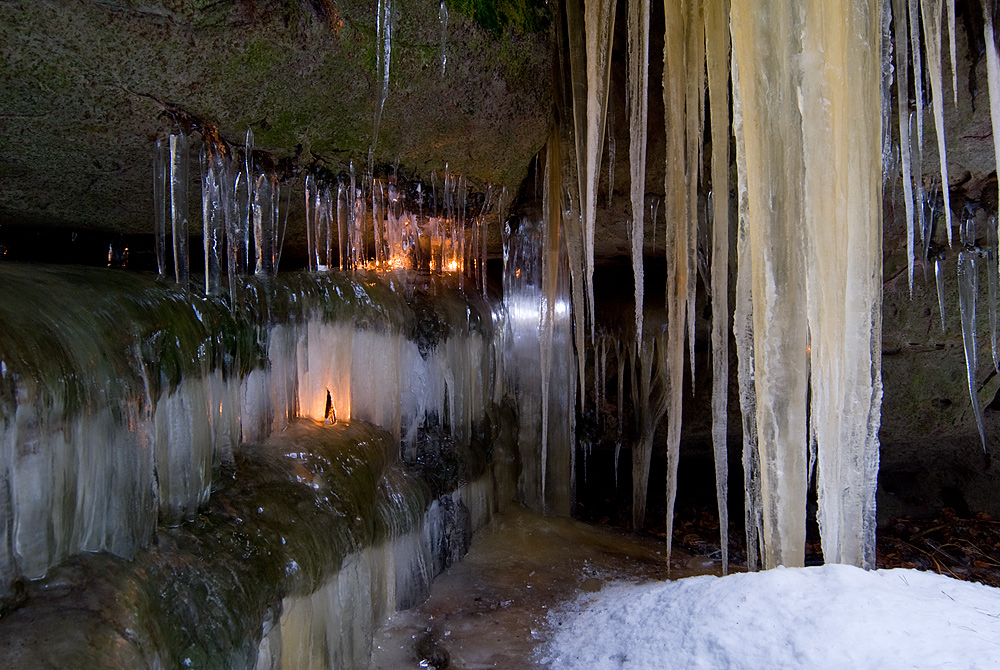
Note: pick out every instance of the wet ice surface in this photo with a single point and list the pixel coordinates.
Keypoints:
(491, 609)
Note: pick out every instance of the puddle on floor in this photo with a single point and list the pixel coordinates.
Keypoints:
(489, 610)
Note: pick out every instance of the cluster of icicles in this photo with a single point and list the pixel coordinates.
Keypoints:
(804, 89)
(352, 222)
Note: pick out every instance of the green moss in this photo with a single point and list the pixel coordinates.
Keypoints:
(501, 15)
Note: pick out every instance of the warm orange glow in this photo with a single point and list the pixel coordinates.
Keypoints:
(452, 266)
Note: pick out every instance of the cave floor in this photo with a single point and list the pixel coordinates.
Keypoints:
(490, 609)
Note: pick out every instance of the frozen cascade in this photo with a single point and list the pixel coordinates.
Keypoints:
(638, 83)
(902, 55)
(842, 121)
(968, 289)
(717, 60)
(930, 10)
(172, 412)
(599, 23)
(537, 291)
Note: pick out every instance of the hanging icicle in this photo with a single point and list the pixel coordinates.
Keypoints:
(930, 11)
(717, 61)
(638, 85)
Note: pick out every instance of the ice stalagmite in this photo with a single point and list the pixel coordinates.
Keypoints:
(766, 45)
(903, 111)
(931, 13)
(717, 59)
(638, 83)
(841, 132)
(599, 20)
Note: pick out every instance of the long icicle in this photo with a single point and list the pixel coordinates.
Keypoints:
(694, 116)
(717, 59)
(676, 242)
(841, 109)
(931, 13)
(968, 289)
(638, 83)
(765, 41)
(743, 336)
(903, 112)
(599, 19)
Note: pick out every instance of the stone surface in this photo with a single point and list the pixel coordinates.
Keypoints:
(87, 86)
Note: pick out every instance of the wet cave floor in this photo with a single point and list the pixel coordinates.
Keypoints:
(490, 609)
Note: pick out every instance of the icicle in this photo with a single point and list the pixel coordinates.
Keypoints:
(918, 82)
(695, 117)
(443, 19)
(611, 143)
(992, 272)
(179, 205)
(953, 50)
(161, 177)
(599, 18)
(968, 290)
(993, 77)
(743, 336)
(939, 276)
(675, 241)
(931, 13)
(842, 116)
(383, 46)
(903, 112)
(213, 216)
(717, 59)
(638, 83)
(766, 42)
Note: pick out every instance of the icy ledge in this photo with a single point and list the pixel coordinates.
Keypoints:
(835, 616)
(311, 539)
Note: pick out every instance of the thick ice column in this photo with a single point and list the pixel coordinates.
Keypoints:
(841, 131)
(765, 42)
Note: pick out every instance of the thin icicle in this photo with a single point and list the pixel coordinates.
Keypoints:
(161, 180)
(967, 291)
(939, 277)
(599, 19)
(383, 50)
(717, 59)
(611, 144)
(443, 20)
(994, 277)
(931, 13)
(695, 118)
(638, 83)
(179, 205)
(953, 50)
(903, 112)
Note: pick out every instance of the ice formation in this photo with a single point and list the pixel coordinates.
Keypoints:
(638, 84)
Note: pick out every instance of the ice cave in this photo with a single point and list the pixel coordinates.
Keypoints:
(303, 301)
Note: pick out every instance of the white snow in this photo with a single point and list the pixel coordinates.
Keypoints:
(834, 616)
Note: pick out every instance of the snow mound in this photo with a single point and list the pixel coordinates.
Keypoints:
(834, 616)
